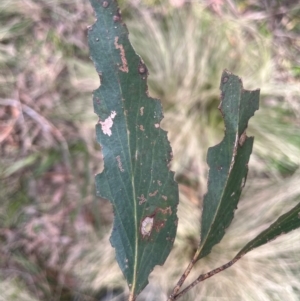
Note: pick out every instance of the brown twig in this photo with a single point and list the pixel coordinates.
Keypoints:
(206, 276)
(184, 276)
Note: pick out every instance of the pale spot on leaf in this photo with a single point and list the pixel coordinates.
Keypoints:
(108, 123)
(142, 199)
(124, 66)
(120, 164)
(153, 193)
(146, 226)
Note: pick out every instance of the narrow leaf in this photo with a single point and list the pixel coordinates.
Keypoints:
(228, 161)
(284, 224)
(136, 176)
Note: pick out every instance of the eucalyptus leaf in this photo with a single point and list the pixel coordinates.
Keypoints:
(228, 161)
(136, 178)
(284, 224)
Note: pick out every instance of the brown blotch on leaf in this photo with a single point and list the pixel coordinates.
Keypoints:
(120, 164)
(153, 193)
(124, 67)
(142, 69)
(159, 225)
(117, 17)
(105, 4)
(142, 111)
(225, 80)
(242, 139)
(142, 199)
(167, 210)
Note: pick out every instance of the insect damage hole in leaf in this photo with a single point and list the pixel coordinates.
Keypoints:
(136, 177)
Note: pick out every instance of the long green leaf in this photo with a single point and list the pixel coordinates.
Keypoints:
(284, 224)
(136, 176)
(228, 162)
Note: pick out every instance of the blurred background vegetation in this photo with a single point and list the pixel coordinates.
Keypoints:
(54, 232)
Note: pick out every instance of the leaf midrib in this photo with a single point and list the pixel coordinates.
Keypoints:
(132, 289)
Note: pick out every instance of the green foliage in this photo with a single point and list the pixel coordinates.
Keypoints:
(136, 178)
(228, 162)
(45, 66)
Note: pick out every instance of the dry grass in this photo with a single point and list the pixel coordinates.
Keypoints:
(54, 232)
